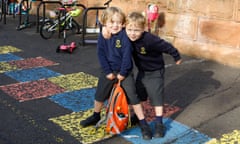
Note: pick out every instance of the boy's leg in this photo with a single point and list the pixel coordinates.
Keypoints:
(103, 91)
(159, 127)
(129, 86)
(145, 128)
(93, 119)
(154, 83)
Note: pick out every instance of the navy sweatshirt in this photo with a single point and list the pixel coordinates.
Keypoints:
(148, 52)
(115, 54)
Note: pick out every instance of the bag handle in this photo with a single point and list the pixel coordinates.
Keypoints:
(119, 82)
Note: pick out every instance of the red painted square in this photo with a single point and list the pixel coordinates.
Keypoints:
(32, 62)
(31, 90)
(149, 111)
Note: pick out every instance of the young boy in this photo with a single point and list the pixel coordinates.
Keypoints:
(115, 57)
(148, 57)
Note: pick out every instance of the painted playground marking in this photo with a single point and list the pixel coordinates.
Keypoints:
(75, 91)
(229, 138)
(8, 49)
(176, 133)
(31, 90)
(75, 81)
(70, 123)
(31, 74)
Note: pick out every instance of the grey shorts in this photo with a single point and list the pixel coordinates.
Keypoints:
(104, 89)
(151, 85)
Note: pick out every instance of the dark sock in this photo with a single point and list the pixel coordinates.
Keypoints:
(143, 122)
(96, 114)
(159, 119)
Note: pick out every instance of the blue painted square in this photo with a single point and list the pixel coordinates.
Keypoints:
(8, 57)
(31, 74)
(76, 100)
(176, 133)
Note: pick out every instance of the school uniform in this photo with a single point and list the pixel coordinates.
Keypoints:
(115, 56)
(148, 57)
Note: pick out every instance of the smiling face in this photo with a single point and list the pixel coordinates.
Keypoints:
(115, 24)
(113, 20)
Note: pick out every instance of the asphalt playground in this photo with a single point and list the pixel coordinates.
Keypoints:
(44, 95)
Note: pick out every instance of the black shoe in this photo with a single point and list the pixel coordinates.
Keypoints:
(134, 120)
(92, 120)
(159, 130)
(146, 131)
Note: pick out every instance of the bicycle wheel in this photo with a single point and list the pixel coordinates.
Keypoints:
(75, 28)
(47, 29)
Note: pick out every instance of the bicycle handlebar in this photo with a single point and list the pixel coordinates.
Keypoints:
(107, 3)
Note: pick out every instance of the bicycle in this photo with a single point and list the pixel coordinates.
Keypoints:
(64, 21)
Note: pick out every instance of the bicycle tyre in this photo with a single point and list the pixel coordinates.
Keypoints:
(44, 30)
(75, 27)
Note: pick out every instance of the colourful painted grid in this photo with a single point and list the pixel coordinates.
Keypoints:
(79, 82)
(76, 100)
(31, 90)
(31, 74)
(8, 57)
(75, 81)
(8, 49)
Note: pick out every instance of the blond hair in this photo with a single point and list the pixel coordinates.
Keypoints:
(136, 19)
(109, 12)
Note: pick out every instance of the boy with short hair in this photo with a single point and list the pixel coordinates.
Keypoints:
(148, 57)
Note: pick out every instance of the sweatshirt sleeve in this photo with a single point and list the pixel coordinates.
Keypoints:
(160, 45)
(102, 55)
(127, 65)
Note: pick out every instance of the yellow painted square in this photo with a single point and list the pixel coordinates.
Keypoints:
(4, 67)
(75, 81)
(71, 124)
(8, 49)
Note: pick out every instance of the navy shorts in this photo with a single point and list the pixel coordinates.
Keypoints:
(105, 85)
(151, 85)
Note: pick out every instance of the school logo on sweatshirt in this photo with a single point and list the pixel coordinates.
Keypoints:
(143, 51)
(118, 44)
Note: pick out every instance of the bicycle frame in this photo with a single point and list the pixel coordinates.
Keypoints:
(64, 19)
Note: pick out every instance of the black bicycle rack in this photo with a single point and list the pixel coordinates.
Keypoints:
(83, 39)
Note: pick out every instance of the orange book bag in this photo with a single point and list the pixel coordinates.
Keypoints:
(117, 113)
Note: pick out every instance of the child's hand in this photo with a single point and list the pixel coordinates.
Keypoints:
(106, 34)
(179, 62)
(111, 76)
(120, 77)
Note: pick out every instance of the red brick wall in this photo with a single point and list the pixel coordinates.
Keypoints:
(207, 29)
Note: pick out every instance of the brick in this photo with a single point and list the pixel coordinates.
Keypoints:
(181, 25)
(218, 53)
(220, 32)
(213, 8)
